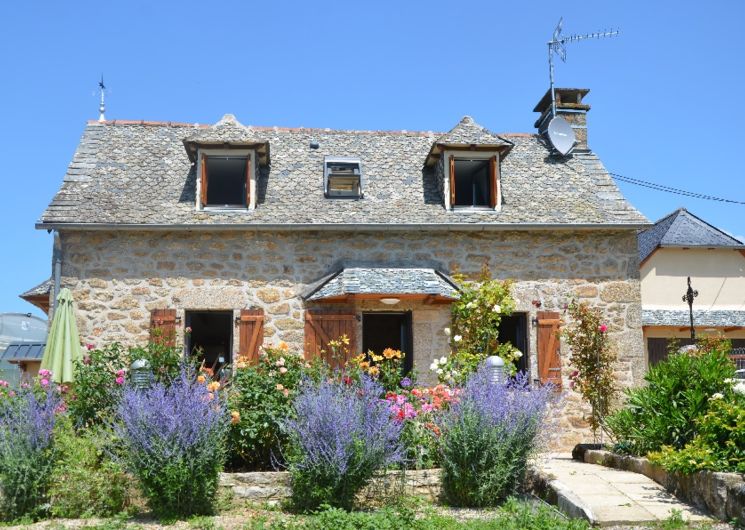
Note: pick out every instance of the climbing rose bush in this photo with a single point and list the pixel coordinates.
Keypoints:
(27, 419)
(474, 335)
(488, 436)
(593, 358)
(341, 433)
(174, 442)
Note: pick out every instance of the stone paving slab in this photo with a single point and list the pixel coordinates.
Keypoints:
(610, 497)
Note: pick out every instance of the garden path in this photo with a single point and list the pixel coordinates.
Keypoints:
(608, 497)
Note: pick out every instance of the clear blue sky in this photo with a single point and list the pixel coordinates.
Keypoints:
(667, 95)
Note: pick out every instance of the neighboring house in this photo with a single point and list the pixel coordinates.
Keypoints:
(252, 235)
(678, 246)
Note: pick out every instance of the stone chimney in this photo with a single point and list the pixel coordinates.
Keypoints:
(570, 107)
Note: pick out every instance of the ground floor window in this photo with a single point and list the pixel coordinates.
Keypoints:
(383, 330)
(211, 337)
(658, 348)
(514, 329)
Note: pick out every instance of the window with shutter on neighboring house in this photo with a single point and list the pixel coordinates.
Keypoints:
(322, 327)
(547, 344)
(225, 181)
(474, 181)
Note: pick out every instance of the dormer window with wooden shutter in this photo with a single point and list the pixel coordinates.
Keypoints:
(474, 181)
(225, 181)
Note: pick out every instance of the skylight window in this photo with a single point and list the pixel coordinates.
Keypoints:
(342, 178)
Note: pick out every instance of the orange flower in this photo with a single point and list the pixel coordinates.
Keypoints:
(364, 365)
(390, 353)
(213, 386)
(283, 346)
(201, 379)
(373, 371)
(235, 417)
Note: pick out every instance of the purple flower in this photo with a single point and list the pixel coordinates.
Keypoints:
(405, 382)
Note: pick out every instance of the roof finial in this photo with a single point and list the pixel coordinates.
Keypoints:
(102, 105)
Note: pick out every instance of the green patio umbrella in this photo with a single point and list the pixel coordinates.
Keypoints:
(63, 341)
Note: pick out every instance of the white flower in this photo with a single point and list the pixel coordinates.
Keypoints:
(443, 360)
(497, 308)
(457, 338)
(439, 371)
(718, 395)
(433, 366)
(518, 354)
(446, 331)
(470, 305)
(740, 388)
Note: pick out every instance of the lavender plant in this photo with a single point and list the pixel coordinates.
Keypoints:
(27, 420)
(487, 438)
(174, 438)
(341, 434)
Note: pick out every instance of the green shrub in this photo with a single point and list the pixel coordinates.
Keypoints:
(260, 398)
(665, 410)
(719, 444)
(85, 481)
(96, 393)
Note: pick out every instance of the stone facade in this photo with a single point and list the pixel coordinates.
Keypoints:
(117, 277)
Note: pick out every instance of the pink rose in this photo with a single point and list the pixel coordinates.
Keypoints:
(120, 373)
(89, 346)
(44, 382)
(603, 328)
(120, 380)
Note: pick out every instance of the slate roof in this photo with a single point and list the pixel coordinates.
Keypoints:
(383, 280)
(226, 132)
(42, 289)
(683, 229)
(15, 353)
(701, 318)
(138, 173)
(465, 134)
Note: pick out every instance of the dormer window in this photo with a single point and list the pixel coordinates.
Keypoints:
(474, 181)
(225, 181)
(342, 178)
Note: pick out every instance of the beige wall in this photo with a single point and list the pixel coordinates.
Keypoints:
(118, 277)
(717, 274)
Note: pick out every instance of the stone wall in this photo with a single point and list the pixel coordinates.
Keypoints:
(118, 277)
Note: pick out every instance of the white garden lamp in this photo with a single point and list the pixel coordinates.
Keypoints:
(495, 366)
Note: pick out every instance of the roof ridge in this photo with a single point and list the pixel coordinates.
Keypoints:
(156, 123)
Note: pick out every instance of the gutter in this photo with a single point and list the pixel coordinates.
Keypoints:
(364, 227)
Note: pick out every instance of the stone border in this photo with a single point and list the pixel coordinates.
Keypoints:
(721, 494)
(557, 493)
(274, 486)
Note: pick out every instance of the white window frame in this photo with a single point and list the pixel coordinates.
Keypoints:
(471, 155)
(252, 159)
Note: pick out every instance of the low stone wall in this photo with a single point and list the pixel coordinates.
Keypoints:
(274, 486)
(721, 494)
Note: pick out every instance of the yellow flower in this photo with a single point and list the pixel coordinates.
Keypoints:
(377, 358)
(364, 365)
(373, 371)
(201, 379)
(213, 386)
(360, 358)
(390, 353)
(235, 417)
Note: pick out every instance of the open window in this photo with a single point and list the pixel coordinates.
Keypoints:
(225, 181)
(474, 182)
(342, 178)
(211, 337)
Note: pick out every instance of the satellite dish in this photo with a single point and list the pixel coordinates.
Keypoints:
(561, 135)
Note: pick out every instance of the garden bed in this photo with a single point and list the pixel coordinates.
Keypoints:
(721, 494)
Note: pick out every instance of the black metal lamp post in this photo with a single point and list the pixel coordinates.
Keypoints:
(691, 293)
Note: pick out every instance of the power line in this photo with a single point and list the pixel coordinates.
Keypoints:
(669, 189)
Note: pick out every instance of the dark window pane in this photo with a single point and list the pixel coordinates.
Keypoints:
(226, 181)
(472, 183)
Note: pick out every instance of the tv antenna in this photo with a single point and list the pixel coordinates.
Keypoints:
(102, 105)
(557, 45)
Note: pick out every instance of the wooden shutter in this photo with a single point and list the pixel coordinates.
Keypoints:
(163, 327)
(494, 185)
(203, 180)
(321, 327)
(250, 334)
(549, 360)
(452, 181)
(248, 181)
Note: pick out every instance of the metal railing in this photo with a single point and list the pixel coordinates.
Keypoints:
(738, 357)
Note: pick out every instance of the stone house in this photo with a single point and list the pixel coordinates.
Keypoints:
(252, 235)
(681, 246)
